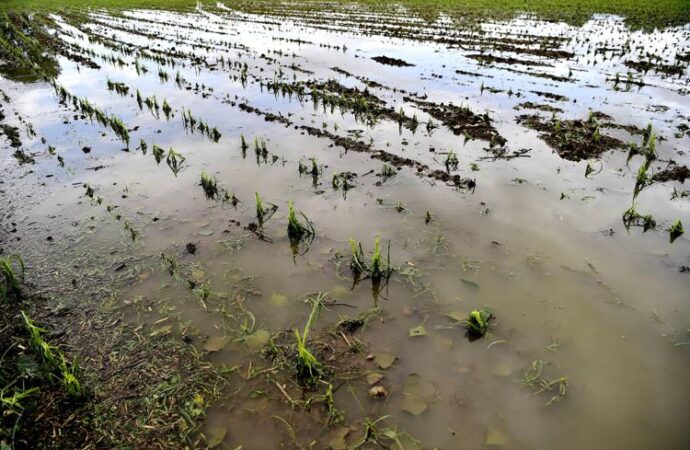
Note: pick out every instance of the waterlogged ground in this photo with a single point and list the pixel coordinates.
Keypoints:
(588, 348)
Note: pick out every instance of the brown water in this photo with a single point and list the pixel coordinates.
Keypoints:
(569, 286)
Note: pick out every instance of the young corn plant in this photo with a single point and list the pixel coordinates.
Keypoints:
(174, 161)
(158, 153)
(119, 128)
(387, 172)
(477, 322)
(53, 362)
(641, 181)
(296, 230)
(209, 184)
(307, 367)
(676, 230)
(263, 213)
(377, 269)
(10, 277)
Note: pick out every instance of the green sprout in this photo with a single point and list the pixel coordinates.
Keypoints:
(209, 184)
(676, 230)
(10, 277)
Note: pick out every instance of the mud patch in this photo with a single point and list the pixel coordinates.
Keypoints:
(461, 120)
(391, 61)
(573, 140)
(674, 173)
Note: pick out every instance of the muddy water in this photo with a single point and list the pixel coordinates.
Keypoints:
(538, 243)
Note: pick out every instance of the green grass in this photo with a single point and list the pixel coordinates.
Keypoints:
(639, 13)
(11, 275)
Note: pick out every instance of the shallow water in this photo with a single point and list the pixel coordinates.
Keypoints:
(538, 243)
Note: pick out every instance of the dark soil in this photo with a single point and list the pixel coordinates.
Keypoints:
(539, 107)
(552, 96)
(391, 61)
(573, 140)
(672, 173)
(491, 59)
(461, 120)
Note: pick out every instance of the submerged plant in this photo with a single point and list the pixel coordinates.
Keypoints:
(378, 268)
(262, 212)
(209, 184)
(387, 172)
(119, 128)
(477, 322)
(296, 230)
(158, 153)
(642, 180)
(243, 145)
(174, 161)
(676, 230)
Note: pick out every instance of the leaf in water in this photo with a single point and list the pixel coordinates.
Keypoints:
(278, 300)
(215, 343)
(258, 339)
(374, 377)
(384, 360)
(419, 330)
(339, 292)
(495, 437)
(418, 393)
(419, 387)
(216, 435)
(469, 283)
(338, 442)
(205, 233)
(414, 406)
(165, 329)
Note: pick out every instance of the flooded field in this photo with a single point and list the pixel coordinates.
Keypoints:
(382, 230)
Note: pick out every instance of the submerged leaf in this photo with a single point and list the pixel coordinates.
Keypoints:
(258, 339)
(215, 343)
(384, 360)
(278, 299)
(418, 394)
(216, 435)
(419, 330)
(414, 405)
(495, 437)
(338, 442)
(374, 377)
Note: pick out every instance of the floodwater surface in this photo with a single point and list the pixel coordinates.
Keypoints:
(512, 200)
